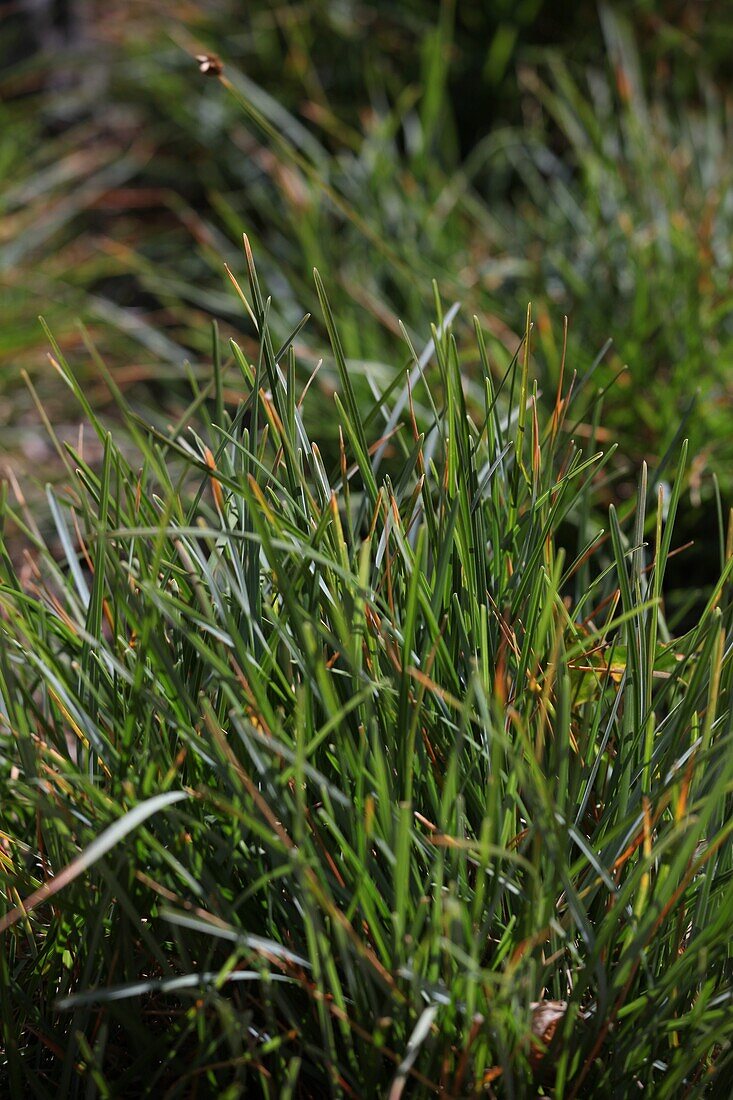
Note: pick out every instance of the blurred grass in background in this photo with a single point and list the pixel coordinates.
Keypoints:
(581, 161)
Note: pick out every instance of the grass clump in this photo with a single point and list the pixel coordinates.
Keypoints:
(389, 778)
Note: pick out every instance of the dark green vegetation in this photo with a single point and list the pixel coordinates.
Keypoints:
(317, 780)
(365, 725)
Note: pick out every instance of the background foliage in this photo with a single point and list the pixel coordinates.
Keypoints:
(392, 145)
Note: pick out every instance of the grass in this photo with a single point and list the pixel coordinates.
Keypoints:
(382, 776)
(609, 202)
(632, 222)
(355, 735)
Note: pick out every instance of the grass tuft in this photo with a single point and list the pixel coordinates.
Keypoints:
(386, 774)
